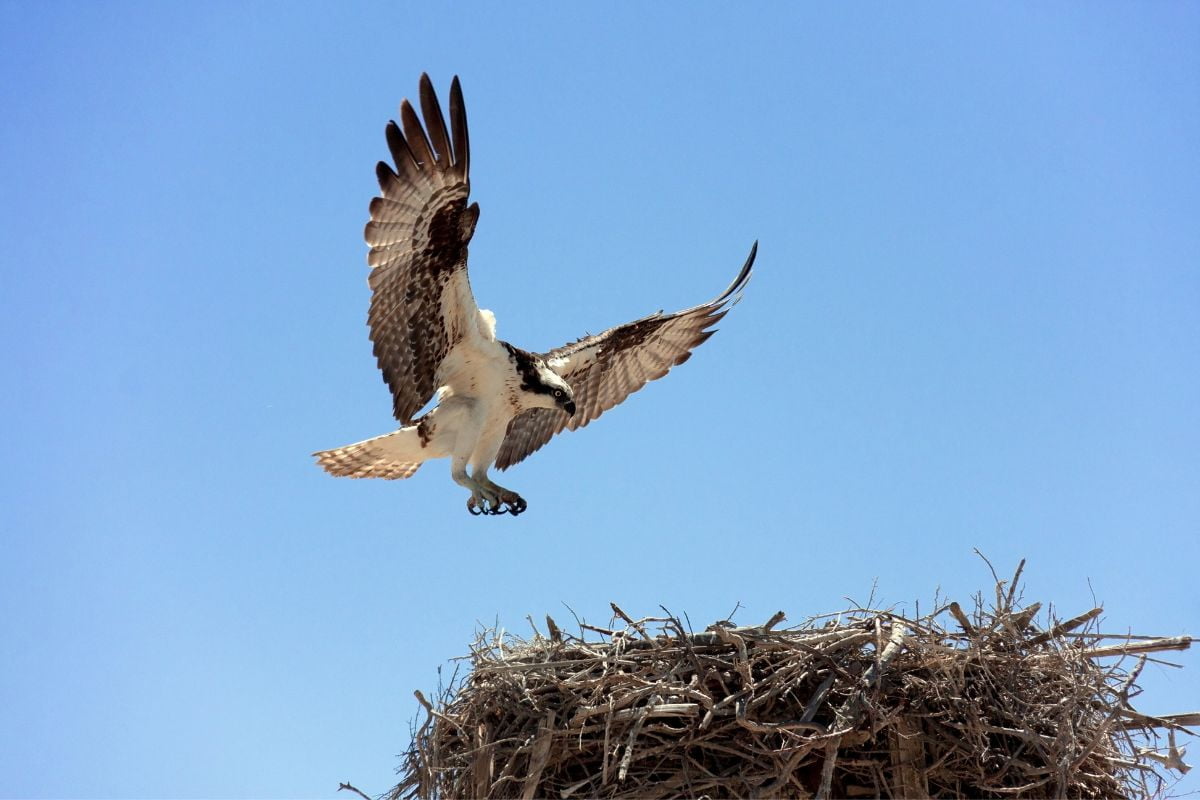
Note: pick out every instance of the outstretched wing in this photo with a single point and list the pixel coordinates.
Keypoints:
(606, 368)
(421, 301)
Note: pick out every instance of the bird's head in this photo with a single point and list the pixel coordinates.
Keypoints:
(541, 386)
(552, 390)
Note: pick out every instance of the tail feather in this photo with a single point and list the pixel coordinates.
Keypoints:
(392, 456)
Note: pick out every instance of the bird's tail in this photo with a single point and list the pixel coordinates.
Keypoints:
(391, 456)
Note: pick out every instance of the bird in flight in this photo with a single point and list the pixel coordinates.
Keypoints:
(496, 403)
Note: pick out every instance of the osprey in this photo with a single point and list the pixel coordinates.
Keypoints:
(496, 403)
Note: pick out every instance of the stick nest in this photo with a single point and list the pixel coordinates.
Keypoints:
(865, 703)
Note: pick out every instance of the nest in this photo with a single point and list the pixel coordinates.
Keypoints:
(865, 703)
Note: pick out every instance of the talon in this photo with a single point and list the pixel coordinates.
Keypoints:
(495, 503)
(516, 504)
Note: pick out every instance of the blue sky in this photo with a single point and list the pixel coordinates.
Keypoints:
(974, 324)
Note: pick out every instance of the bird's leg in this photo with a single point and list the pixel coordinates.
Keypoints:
(483, 499)
(511, 502)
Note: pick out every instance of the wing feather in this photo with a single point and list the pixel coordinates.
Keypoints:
(420, 226)
(405, 161)
(458, 129)
(414, 134)
(435, 122)
(606, 368)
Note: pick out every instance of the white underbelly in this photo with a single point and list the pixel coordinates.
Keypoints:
(475, 403)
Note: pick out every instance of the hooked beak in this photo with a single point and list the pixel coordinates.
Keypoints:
(569, 407)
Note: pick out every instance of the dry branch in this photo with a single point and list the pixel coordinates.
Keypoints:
(862, 704)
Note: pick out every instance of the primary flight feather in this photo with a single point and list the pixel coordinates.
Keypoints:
(496, 403)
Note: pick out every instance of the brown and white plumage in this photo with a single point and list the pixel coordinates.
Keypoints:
(606, 368)
(421, 301)
(496, 403)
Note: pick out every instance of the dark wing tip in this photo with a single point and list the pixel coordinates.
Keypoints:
(461, 140)
(739, 283)
(407, 162)
(415, 136)
(384, 174)
(743, 277)
(435, 123)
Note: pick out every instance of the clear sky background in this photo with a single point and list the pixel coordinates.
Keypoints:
(975, 323)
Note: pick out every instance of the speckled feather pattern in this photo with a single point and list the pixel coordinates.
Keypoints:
(368, 459)
(496, 402)
(418, 233)
(606, 368)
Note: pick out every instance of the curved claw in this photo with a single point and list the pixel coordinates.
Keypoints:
(507, 503)
(516, 504)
